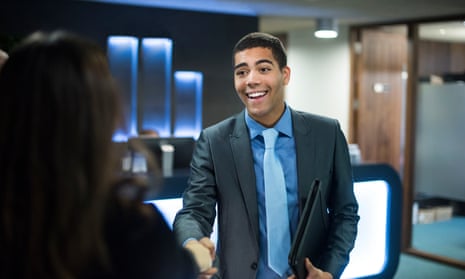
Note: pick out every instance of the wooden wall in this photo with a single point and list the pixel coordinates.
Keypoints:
(378, 114)
(437, 58)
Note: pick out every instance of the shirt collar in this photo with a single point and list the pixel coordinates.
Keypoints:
(283, 126)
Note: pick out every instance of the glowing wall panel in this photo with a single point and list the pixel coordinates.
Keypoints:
(373, 199)
(188, 103)
(122, 54)
(154, 90)
(169, 208)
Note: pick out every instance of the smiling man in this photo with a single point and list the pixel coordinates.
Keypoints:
(229, 173)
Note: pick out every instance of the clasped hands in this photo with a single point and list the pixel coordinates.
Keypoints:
(203, 251)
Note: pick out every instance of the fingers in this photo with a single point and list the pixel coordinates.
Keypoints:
(207, 274)
(314, 272)
(202, 254)
(209, 245)
(308, 264)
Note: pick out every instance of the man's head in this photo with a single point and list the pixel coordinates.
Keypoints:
(260, 76)
(259, 39)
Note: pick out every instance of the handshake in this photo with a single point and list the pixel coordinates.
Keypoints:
(203, 251)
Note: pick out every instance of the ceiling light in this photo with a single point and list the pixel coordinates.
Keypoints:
(326, 28)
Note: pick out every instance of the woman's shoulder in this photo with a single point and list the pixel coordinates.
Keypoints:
(141, 244)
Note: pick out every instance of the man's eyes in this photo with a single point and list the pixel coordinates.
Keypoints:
(241, 72)
(245, 72)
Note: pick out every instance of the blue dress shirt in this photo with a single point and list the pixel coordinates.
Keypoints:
(285, 150)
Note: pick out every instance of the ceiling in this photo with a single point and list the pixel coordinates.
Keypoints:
(284, 15)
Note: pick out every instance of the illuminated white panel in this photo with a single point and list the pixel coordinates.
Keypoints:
(169, 208)
(368, 257)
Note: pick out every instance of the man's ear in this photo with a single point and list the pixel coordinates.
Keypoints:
(286, 74)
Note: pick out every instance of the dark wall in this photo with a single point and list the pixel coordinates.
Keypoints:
(202, 41)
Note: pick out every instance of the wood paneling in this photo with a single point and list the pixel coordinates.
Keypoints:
(457, 58)
(379, 115)
(438, 58)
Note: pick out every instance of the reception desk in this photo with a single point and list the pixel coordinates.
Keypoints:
(379, 193)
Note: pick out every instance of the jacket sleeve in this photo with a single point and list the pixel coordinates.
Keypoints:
(343, 209)
(196, 218)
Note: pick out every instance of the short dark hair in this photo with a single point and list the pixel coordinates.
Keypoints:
(260, 39)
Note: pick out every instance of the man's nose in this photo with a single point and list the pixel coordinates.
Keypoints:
(253, 78)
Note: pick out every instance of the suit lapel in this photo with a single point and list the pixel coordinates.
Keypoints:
(305, 153)
(243, 163)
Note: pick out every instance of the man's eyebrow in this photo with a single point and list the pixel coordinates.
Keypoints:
(264, 61)
(261, 61)
(240, 65)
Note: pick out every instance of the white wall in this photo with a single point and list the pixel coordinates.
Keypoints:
(320, 74)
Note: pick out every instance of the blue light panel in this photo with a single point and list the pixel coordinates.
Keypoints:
(155, 85)
(188, 102)
(122, 54)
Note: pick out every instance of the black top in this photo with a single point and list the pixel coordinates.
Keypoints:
(141, 245)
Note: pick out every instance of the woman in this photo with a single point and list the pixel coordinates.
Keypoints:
(64, 211)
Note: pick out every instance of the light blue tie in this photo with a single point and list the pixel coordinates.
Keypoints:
(277, 217)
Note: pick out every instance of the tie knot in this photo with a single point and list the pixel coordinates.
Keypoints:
(270, 136)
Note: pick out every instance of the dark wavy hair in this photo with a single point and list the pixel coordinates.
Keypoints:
(59, 107)
(265, 40)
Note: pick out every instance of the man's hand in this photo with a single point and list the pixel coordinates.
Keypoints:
(313, 272)
(203, 251)
(207, 274)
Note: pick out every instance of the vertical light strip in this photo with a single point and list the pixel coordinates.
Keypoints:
(373, 197)
(155, 85)
(188, 102)
(122, 54)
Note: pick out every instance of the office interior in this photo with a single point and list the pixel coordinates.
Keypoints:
(397, 91)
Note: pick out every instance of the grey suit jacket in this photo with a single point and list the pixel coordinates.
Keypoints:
(222, 175)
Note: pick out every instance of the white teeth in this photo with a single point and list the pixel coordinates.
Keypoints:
(256, 94)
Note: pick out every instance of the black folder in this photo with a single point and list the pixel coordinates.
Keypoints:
(310, 237)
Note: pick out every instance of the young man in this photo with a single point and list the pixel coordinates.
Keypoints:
(227, 171)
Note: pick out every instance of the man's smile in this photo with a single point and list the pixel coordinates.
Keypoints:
(255, 95)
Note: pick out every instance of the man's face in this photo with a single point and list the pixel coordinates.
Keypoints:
(260, 83)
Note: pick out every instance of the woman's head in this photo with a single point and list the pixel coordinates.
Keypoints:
(59, 107)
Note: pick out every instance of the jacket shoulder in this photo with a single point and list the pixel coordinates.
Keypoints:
(225, 127)
(314, 120)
